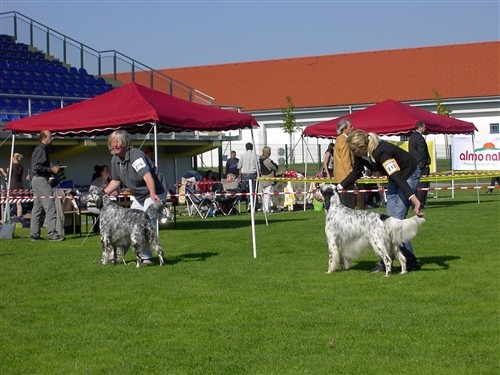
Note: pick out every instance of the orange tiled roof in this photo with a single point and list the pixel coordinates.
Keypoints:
(456, 71)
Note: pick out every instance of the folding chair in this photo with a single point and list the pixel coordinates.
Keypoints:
(229, 198)
(196, 203)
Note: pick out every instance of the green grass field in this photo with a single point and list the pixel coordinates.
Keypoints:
(214, 309)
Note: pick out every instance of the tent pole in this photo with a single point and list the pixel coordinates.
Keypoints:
(156, 165)
(304, 193)
(475, 169)
(252, 216)
(156, 144)
(6, 215)
(252, 206)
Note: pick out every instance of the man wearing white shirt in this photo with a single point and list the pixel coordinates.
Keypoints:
(247, 167)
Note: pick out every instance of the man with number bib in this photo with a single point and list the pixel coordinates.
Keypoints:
(131, 168)
(403, 175)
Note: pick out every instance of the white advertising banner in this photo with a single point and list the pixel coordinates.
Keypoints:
(484, 155)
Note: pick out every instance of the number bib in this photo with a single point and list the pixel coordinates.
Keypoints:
(391, 166)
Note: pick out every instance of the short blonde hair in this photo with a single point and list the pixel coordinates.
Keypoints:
(121, 136)
(17, 156)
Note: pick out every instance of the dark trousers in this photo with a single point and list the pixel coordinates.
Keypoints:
(494, 180)
(347, 199)
(422, 194)
(245, 185)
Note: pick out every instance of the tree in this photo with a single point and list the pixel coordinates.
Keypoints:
(289, 123)
(445, 111)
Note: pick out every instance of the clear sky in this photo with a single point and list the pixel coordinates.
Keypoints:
(169, 34)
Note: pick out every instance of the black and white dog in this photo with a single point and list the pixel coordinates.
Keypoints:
(122, 227)
(350, 232)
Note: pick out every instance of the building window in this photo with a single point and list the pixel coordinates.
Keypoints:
(404, 138)
(494, 128)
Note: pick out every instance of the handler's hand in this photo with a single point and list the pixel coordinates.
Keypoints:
(416, 206)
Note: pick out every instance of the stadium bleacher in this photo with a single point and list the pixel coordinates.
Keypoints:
(29, 78)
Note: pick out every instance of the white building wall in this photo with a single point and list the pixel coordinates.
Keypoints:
(482, 113)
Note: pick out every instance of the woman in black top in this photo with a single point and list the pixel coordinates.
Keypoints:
(16, 180)
(328, 161)
(403, 174)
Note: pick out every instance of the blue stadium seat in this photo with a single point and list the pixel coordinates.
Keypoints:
(26, 72)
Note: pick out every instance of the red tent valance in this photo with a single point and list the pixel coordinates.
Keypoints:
(134, 108)
(391, 118)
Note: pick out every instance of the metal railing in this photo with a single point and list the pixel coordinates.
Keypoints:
(107, 64)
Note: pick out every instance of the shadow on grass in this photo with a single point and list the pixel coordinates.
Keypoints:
(190, 257)
(440, 261)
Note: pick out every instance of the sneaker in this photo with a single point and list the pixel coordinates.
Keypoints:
(378, 268)
(57, 238)
(36, 238)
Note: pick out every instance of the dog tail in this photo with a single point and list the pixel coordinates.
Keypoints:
(402, 231)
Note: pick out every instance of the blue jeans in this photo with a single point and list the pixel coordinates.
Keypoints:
(397, 204)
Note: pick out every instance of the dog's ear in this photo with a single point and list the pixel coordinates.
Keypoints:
(99, 201)
(327, 191)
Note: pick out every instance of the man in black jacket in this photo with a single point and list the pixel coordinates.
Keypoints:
(418, 148)
(43, 197)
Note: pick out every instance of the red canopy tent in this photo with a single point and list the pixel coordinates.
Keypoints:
(392, 118)
(134, 108)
